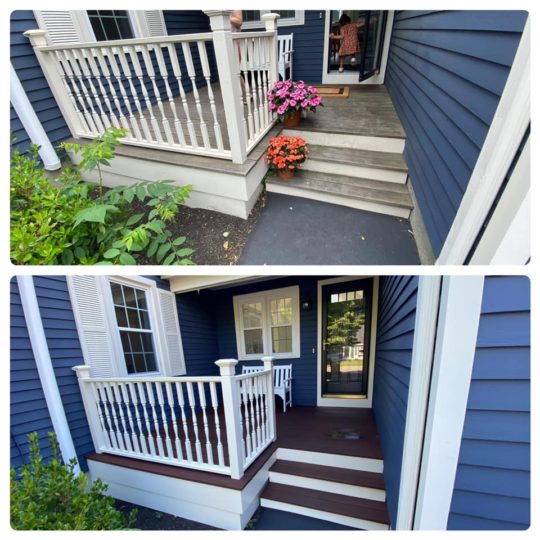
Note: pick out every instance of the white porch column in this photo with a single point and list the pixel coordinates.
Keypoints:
(31, 123)
(40, 350)
(51, 70)
(270, 23)
(231, 406)
(228, 67)
(90, 408)
(268, 363)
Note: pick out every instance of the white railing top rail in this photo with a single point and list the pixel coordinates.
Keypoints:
(156, 379)
(251, 375)
(246, 35)
(181, 38)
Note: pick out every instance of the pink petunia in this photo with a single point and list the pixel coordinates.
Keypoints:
(273, 106)
(279, 84)
(281, 110)
(304, 104)
(292, 103)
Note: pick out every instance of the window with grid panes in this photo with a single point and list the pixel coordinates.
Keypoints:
(110, 25)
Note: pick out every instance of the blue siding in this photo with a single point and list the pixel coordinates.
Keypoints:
(492, 486)
(395, 333)
(33, 81)
(28, 407)
(308, 45)
(446, 72)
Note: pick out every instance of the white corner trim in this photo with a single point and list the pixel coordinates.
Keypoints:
(31, 123)
(507, 238)
(455, 347)
(43, 361)
(425, 328)
(502, 142)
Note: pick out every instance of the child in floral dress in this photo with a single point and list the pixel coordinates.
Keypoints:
(348, 35)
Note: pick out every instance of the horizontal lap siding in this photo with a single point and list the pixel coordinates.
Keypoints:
(34, 83)
(492, 487)
(304, 368)
(308, 45)
(395, 333)
(28, 406)
(446, 72)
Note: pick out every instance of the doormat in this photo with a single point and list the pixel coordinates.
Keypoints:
(338, 92)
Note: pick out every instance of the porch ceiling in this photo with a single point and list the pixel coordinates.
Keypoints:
(183, 284)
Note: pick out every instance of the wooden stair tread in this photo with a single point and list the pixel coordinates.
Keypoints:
(330, 474)
(350, 187)
(360, 158)
(323, 501)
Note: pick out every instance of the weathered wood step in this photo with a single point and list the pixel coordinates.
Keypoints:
(361, 193)
(352, 511)
(355, 483)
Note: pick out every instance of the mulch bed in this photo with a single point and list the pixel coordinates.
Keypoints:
(216, 238)
(152, 520)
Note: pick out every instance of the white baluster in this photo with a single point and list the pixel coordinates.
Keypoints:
(120, 408)
(252, 414)
(164, 72)
(134, 131)
(194, 423)
(77, 73)
(247, 86)
(265, 55)
(80, 59)
(133, 395)
(133, 431)
(253, 84)
(185, 426)
(215, 403)
(126, 72)
(74, 93)
(152, 402)
(202, 401)
(148, 429)
(133, 55)
(258, 415)
(260, 92)
(192, 76)
(161, 402)
(270, 403)
(244, 396)
(207, 75)
(110, 412)
(171, 402)
(100, 411)
(178, 74)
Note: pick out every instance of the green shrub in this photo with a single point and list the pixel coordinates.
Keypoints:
(75, 222)
(49, 496)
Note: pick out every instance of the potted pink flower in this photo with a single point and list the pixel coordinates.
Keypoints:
(289, 98)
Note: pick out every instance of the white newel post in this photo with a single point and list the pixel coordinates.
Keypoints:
(90, 407)
(228, 67)
(231, 406)
(52, 71)
(268, 363)
(270, 23)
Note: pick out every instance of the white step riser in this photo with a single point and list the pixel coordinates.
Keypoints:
(328, 516)
(356, 142)
(359, 204)
(331, 460)
(329, 487)
(346, 169)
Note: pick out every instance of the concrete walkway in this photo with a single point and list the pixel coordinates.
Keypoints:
(293, 230)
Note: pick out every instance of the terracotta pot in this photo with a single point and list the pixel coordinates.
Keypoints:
(292, 121)
(285, 174)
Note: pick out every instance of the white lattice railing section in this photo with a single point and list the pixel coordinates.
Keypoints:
(202, 94)
(218, 424)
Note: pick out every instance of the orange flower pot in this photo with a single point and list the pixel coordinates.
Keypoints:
(292, 121)
(285, 174)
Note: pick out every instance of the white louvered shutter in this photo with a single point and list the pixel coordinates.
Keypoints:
(172, 345)
(65, 26)
(94, 332)
(154, 23)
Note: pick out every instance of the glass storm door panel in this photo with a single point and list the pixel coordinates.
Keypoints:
(372, 42)
(346, 322)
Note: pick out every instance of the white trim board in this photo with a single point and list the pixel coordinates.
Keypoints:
(343, 402)
(455, 347)
(505, 134)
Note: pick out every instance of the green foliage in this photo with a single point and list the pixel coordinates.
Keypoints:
(69, 223)
(49, 496)
(344, 321)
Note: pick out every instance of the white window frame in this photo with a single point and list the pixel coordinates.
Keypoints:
(297, 20)
(150, 288)
(265, 298)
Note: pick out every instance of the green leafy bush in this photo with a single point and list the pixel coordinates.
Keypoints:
(75, 222)
(49, 496)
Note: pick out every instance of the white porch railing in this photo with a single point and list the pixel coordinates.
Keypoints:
(201, 94)
(218, 424)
